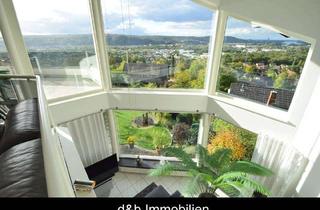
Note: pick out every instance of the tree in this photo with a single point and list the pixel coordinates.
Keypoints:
(196, 66)
(182, 80)
(181, 133)
(151, 85)
(249, 69)
(161, 61)
(121, 66)
(247, 138)
(185, 118)
(229, 140)
(272, 73)
(279, 82)
(199, 82)
(215, 171)
(181, 65)
(225, 81)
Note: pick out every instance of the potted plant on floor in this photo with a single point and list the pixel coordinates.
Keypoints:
(131, 140)
(215, 171)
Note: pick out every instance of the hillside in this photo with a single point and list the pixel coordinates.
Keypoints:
(85, 41)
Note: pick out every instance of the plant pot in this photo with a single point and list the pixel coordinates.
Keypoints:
(131, 146)
(158, 151)
(207, 195)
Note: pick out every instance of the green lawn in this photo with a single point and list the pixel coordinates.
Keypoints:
(144, 135)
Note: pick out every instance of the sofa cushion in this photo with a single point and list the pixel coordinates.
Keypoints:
(22, 171)
(21, 125)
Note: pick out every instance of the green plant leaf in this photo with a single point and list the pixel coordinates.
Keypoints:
(162, 170)
(220, 159)
(185, 158)
(203, 176)
(250, 168)
(239, 177)
(196, 186)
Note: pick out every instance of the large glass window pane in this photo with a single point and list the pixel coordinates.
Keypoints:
(58, 36)
(223, 134)
(5, 63)
(259, 64)
(147, 133)
(157, 44)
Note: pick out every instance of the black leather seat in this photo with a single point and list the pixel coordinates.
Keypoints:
(21, 125)
(21, 161)
(22, 171)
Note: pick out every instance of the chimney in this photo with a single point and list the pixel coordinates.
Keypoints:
(272, 97)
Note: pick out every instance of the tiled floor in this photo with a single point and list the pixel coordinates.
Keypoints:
(129, 184)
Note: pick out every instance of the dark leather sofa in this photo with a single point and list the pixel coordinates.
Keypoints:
(21, 161)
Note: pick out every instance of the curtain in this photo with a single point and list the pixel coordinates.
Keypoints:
(91, 136)
(284, 160)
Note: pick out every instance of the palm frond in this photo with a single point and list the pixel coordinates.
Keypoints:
(220, 158)
(196, 186)
(163, 170)
(202, 152)
(228, 176)
(206, 178)
(239, 177)
(204, 165)
(235, 189)
(249, 183)
(184, 157)
(250, 168)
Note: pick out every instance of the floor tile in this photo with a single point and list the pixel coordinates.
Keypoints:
(129, 184)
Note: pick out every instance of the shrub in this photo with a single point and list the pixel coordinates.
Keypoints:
(194, 130)
(185, 118)
(131, 139)
(248, 139)
(228, 140)
(181, 133)
(161, 139)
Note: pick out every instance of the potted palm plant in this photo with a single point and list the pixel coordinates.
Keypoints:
(215, 171)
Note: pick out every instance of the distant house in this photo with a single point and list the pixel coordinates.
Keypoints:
(142, 72)
(261, 66)
(280, 98)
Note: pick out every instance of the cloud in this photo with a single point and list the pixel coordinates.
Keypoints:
(150, 27)
(53, 17)
(238, 31)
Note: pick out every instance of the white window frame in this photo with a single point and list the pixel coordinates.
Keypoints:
(177, 90)
(150, 157)
(284, 116)
(224, 107)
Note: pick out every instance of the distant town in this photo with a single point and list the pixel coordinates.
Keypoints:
(173, 61)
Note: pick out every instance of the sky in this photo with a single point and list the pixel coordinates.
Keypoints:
(133, 17)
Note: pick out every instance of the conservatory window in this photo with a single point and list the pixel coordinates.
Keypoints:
(259, 64)
(60, 44)
(223, 134)
(5, 63)
(157, 44)
(146, 133)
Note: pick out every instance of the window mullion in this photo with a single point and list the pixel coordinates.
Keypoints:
(204, 126)
(13, 39)
(100, 43)
(216, 50)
